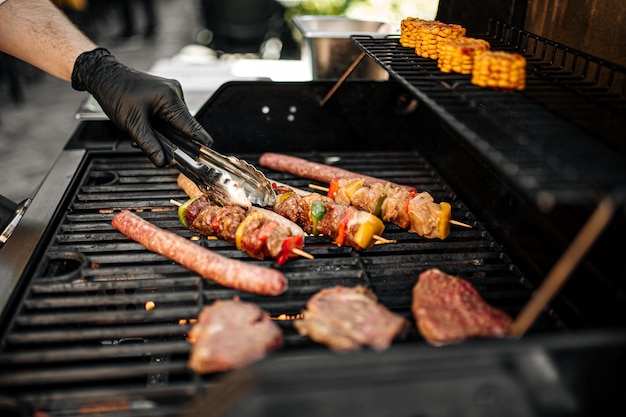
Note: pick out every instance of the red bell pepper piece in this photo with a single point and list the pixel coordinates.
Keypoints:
(288, 245)
(341, 230)
(333, 187)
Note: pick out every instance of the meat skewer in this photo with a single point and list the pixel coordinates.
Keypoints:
(228, 272)
(417, 211)
(326, 190)
(258, 232)
(318, 214)
(424, 206)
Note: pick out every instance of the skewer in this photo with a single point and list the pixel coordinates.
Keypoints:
(382, 241)
(458, 223)
(302, 253)
(563, 268)
(318, 187)
(325, 189)
(294, 250)
(342, 79)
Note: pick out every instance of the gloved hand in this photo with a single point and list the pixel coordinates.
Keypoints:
(141, 104)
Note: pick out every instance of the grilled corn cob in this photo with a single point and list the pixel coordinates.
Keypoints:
(458, 54)
(430, 34)
(499, 70)
(409, 28)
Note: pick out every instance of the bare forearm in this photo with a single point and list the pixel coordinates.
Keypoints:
(37, 32)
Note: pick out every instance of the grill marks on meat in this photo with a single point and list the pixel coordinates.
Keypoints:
(449, 309)
(228, 272)
(260, 236)
(417, 211)
(394, 207)
(231, 334)
(210, 220)
(346, 319)
(345, 225)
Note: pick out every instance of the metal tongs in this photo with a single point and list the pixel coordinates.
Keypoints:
(228, 180)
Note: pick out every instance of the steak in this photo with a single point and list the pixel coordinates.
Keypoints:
(231, 334)
(449, 309)
(345, 319)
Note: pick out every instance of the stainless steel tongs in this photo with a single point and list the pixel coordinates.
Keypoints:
(228, 180)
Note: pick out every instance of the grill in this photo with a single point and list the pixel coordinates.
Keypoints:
(78, 339)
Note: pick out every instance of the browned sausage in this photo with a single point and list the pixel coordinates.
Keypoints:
(316, 171)
(228, 272)
(188, 186)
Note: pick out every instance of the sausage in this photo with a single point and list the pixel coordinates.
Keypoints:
(188, 186)
(316, 171)
(228, 272)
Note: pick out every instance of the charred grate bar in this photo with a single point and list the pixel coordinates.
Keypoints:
(551, 155)
(82, 336)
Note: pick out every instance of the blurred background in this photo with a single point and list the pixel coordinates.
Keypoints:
(37, 111)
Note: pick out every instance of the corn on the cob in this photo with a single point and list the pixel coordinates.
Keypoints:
(458, 54)
(430, 34)
(409, 29)
(500, 70)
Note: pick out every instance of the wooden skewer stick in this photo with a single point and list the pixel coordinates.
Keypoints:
(302, 253)
(566, 264)
(318, 187)
(458, 223)
(342, 79)
(325, 189)
(297, 251)
(381, 240)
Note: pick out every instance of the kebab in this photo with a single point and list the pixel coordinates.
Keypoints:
(258, 232)
(408, 209)
(431, 219)
(320, 215)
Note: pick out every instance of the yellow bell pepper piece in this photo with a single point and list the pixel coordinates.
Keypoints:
(369, 226)
(443, 227)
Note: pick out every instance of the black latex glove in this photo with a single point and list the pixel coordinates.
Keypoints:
(141, 104)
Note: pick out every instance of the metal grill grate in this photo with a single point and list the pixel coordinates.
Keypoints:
(554, 153)
(82, 334)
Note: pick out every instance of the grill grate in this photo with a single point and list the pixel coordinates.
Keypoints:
(551, 155)
(82, 336)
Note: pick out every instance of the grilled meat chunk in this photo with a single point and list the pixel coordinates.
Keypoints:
(449, 309)
(346, 318)
(231, 334)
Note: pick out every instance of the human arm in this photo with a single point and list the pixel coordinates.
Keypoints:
(37, 32)
(141, 104)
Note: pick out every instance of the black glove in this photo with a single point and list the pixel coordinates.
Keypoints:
(138, 103)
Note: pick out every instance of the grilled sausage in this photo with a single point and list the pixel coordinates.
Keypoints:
(209, 264)
(188, 186)
(314, 170)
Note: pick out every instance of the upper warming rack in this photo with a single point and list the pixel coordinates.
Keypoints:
(560, 140)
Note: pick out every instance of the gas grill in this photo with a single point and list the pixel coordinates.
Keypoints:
(526, 170)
